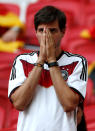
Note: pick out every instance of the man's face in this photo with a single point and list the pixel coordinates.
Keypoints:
(54, 31)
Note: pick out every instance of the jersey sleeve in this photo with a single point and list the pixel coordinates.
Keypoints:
(17, 76)
(78, 79)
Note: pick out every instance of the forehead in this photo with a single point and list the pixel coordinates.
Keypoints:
(50, 25)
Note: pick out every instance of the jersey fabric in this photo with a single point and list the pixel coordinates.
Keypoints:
(45, 113)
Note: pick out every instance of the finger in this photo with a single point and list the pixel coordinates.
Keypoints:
(49, 37)
(44, 35)
(44, 38)
(48, 32)
(44, 29)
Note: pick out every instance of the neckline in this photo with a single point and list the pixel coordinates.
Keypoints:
(62, 52)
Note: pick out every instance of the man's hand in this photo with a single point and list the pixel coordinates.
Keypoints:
(50, 47)
(42, 56)
(47, 47)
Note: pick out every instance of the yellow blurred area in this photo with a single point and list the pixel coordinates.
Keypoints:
(85, 34)
(91, 67)
(10, 46)
(10, 20)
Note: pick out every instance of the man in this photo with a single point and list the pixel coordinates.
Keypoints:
(47, 86)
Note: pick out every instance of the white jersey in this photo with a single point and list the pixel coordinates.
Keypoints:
(45, 113)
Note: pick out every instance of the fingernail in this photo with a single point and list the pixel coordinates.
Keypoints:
(45, 29)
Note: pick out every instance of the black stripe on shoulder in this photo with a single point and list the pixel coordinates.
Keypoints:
(76, 55)
(83, 75)
(75, 90)
(13, 72)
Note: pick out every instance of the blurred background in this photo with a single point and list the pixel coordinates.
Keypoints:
(17, 36)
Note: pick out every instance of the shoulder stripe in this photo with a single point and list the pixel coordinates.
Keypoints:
(13, 72)
(83, 75)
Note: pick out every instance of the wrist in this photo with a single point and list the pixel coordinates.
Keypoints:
(41, 61)
(51, 60)
(52, 64)
(38, 65)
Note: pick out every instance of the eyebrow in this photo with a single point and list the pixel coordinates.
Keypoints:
(48, 28)
(41, 28)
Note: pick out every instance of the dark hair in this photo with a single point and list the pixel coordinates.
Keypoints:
(49, 14)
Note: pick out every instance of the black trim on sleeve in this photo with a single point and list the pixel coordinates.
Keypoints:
(75, 90)
(60, 55)
(12, 93)
(81, 102)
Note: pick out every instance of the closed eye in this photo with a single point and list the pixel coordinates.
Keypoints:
(40, 29)
(53, 30)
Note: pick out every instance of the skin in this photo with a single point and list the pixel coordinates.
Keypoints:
(49, 37)
(10, 35)
(79, 115)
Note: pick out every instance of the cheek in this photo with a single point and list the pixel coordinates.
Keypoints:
(57, 38)
(38, 37)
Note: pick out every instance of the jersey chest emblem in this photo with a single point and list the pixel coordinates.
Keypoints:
(64, 74)
(67, 70)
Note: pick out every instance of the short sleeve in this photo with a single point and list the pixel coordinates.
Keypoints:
(78, 79)
(17, 76)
